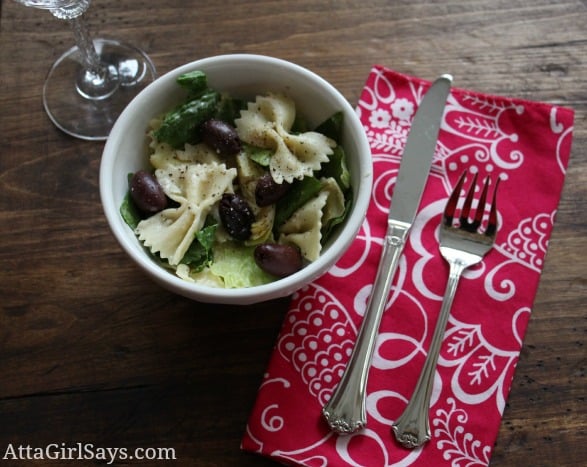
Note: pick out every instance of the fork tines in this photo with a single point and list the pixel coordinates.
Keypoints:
(465, 221)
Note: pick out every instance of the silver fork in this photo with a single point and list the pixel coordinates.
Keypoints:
(462, 246)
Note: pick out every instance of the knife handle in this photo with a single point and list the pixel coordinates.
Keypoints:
(345, 411)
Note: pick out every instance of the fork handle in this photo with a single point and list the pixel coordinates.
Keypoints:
(412, 428)
(345, 411)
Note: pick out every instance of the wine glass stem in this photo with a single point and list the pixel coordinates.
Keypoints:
(84, 42)
(96, 80)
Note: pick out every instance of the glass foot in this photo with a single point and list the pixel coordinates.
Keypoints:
(90, 113)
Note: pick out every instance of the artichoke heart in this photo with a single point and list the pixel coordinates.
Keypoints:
(249, 173)
(261, 229)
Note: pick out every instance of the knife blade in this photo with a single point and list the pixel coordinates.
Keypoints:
(418, 152)
(345, 411)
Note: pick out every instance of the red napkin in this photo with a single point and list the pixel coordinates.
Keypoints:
(528, 145)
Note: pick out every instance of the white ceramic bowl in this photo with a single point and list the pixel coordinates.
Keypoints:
(241, 76)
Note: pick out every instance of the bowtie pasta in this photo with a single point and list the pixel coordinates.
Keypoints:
(245, 186)
(267, 123)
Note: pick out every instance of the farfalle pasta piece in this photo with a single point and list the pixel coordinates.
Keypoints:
(248, 175)
(196, 187)
(267, 123)
(258, 124)
(335, 203)
(304, 227)
(164, 155)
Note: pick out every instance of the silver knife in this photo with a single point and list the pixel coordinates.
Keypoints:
(345, 411)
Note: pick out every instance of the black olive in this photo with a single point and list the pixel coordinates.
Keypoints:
(268, 191)
(236, 216)
(221, 137)
(278, 260)
(147, 193)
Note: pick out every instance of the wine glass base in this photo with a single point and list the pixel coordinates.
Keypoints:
(91, 118)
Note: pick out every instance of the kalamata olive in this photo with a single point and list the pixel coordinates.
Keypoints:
(147, 193)
(268, 191)
(221, 137)
(236, 216)
(278, 260)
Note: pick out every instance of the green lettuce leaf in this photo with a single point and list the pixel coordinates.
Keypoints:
(200, 253)
(336, 168)
(261, 156)
(235, 264)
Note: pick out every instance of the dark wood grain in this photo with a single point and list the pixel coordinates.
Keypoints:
(91, 351)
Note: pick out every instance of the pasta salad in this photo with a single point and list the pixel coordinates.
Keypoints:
(240, 193)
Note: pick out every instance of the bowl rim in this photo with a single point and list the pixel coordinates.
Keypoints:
(246, 295)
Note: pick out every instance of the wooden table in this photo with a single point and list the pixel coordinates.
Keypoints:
(91, 351)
